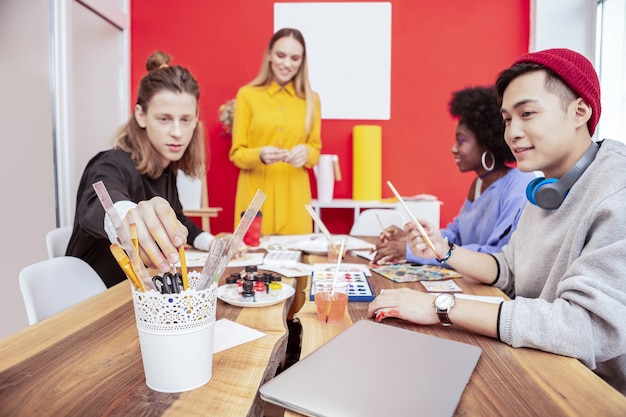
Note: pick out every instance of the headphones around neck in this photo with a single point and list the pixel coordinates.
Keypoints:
(549, 193)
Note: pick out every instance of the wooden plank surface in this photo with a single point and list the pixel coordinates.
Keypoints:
(506, 381)
(86, 361)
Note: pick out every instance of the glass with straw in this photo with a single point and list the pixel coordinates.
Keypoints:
(331, 294)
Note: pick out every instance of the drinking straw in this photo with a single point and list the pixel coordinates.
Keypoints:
(322, 226)
(332, 291)
(409, 213)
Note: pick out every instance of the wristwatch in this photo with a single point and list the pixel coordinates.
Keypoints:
(443, 304)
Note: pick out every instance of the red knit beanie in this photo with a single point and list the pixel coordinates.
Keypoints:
(577, 72)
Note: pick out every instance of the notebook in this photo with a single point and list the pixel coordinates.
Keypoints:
(375, 369)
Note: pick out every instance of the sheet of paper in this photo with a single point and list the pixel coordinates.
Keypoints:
(447, 285)
(251, 258)
(228, 334)
(317, 241)
(195, 258)
(291, 270)
(367, 254)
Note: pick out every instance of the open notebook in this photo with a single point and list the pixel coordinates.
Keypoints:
(374, 369)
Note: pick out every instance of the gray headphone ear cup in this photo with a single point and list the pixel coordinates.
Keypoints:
(549, 195)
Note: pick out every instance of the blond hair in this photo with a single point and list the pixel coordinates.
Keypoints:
(301, 82)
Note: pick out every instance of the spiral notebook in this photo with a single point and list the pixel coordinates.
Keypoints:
(375, 369)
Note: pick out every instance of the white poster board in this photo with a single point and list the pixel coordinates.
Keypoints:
(349, 55)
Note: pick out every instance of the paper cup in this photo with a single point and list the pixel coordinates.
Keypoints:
(176, 337)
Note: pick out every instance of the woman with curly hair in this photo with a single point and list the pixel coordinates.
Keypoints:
(497, 195)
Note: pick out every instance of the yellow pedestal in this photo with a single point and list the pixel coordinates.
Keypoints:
(367, 162)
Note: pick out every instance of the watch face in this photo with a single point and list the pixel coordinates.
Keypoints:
(444, 301)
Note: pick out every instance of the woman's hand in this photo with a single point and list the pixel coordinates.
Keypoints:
(418, 245)
(392, 233)
(404, 303)
(297, 156)
(272, 154)
(159, 232)
(391, 251)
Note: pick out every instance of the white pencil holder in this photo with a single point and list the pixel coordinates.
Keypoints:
(176, 337)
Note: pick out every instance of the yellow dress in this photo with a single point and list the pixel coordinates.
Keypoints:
(274, 116)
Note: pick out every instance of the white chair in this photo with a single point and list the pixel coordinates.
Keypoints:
(55, 284)
(371, 222)
(193, 195)
(57, 240)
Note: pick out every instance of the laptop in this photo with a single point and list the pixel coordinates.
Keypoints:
(374, 369)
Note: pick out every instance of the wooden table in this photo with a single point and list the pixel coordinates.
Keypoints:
(506, 381)
(86, 361)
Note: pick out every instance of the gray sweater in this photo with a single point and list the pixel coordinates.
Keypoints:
(567, 270)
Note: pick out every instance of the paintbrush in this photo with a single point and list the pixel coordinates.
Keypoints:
(409, 213)
(380, 223)
(322, 226)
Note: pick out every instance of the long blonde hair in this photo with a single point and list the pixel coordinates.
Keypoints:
(300, 80)
(132, 138)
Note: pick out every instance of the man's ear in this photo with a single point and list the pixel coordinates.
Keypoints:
(583, 112)
(140, 116)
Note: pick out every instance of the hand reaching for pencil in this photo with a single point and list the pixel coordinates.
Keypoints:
(159, 233)
(419, 246)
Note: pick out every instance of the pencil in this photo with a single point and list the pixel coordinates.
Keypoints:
(183, 267)
(409, 213)
(322, 227)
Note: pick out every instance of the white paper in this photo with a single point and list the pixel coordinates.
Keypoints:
(228, 334)
(251, 258)
(290, 270)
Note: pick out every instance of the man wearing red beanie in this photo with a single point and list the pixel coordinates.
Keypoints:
(564, 263)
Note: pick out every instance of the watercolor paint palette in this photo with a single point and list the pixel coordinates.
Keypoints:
(360, 289)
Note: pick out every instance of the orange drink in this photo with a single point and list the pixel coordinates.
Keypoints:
(331, 299)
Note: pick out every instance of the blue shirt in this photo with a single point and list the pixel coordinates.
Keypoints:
(486, 224)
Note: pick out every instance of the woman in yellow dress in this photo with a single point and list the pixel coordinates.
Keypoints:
(276, 136)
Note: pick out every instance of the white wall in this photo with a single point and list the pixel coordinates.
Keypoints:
(47, 137)
(27, 180)
(564, 24)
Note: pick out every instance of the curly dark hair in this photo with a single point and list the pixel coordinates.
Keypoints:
(478, 108)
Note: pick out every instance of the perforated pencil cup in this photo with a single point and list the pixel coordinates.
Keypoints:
(176, 337)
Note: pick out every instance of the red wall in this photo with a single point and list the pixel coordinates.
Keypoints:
(437, 47)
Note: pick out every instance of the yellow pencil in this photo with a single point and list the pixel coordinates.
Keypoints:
(409, 213)
(183, 267)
